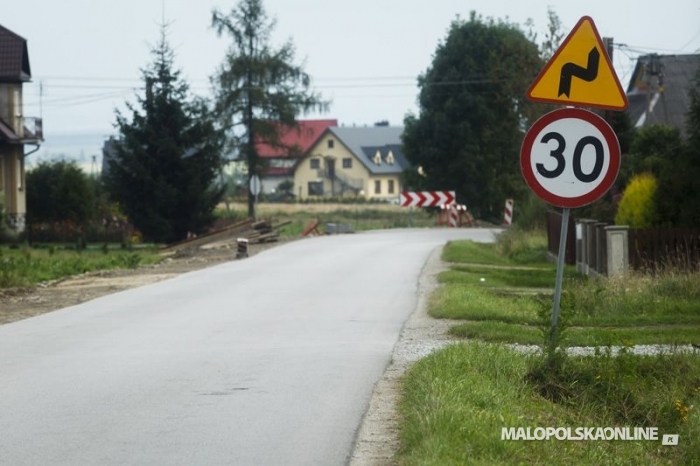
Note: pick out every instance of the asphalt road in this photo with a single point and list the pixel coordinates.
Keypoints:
(269, 360)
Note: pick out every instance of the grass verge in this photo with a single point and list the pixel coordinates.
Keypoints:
(502, 300)
(361, 216)
(457, 401)
(28, 267)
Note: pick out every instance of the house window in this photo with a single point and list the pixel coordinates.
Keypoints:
(378, 158)
(315, 164)
(315, 188)
(377, 186)
(347, 163)
(390, 158)
(391, 187)
(331, 143)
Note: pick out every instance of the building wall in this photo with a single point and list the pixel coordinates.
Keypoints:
(357, 171)
(384, 185)
(13, 185)
(321, 151)
(11, 105)
(12, 157)
(269, 185)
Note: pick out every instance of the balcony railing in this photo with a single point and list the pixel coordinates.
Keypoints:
(31, 128)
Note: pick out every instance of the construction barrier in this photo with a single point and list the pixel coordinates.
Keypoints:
(455, 215)
(508, 213)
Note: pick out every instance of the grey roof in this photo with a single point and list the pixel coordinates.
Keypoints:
(658, 90)
(14, 58)
(364, 142)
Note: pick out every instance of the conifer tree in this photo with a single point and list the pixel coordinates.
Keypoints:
(258, 89)
(166, 159)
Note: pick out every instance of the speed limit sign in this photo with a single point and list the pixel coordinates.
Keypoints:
(570, 157)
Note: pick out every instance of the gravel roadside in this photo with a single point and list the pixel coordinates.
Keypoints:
(378, 437)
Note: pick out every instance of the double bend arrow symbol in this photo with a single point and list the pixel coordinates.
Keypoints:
(570, 70)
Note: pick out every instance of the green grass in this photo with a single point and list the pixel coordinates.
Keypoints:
(456, 301)
(541, 277)
(28, 267)
(456, 402)
(505, 332)
(513, 302)
(513, 248)
(360, 216)
(473, 253)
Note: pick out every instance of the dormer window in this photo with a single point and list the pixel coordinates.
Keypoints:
(390, 158)
(378, 158)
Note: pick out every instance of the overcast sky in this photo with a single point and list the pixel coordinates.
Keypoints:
(363, 55)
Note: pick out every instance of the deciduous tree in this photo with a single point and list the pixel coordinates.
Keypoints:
(473, 113)
(59, 191)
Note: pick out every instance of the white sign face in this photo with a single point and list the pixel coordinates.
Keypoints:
(570, 157)
(255, 185)
(554, 154)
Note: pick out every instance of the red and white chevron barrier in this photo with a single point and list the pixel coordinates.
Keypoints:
(426, 198)
(508, 213)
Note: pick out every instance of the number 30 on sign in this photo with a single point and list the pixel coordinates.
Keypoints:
(570, 157)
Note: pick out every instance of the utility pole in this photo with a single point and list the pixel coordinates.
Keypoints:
(609, 42)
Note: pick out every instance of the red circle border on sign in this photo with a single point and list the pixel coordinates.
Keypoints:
(608, 179)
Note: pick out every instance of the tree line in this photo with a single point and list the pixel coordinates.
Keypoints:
(466, 136)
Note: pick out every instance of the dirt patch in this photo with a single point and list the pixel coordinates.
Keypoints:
(21, 303)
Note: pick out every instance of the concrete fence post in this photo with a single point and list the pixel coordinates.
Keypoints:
(618, 249)
(579, 245)
(590, 247)
(586, 245)
(599, 248)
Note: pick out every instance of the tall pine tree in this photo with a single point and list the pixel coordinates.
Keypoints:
(165, 161)
(258, 88)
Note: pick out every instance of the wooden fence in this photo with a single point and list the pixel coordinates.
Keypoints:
(554, 233)
(659, 248)
(649, 249)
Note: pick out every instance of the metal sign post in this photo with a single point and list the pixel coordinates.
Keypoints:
(553, 332)
(570, 157)
(255, 187)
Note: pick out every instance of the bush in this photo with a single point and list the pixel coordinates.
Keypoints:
(638, 205)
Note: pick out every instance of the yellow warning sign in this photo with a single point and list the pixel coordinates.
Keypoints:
(580, 73)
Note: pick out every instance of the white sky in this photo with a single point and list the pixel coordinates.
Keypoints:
(364, 55)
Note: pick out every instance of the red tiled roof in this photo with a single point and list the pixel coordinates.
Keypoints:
(14, 62)
(301, 138)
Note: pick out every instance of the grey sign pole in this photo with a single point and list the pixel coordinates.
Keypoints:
(560, 275)
(255, 190)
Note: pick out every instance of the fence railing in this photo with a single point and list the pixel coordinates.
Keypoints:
(554, 233)
(659, 248)
(600, 249)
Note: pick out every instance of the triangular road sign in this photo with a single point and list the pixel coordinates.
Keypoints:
(580, 73)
